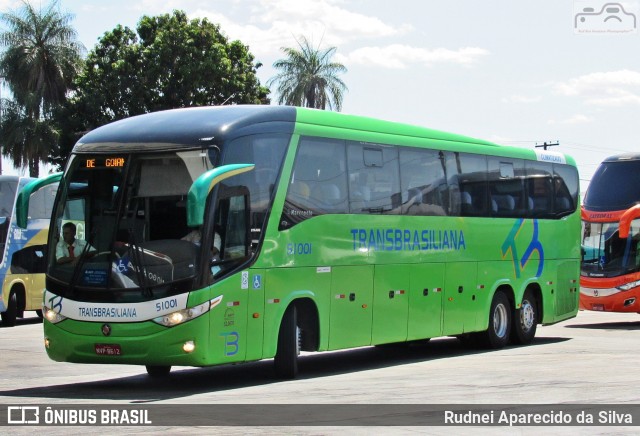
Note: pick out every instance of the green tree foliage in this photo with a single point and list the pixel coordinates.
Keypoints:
(39, 62)
(308, 78)
(170, 62)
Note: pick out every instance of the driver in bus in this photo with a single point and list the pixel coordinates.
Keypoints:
(70, 249)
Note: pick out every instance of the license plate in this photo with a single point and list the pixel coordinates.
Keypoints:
(108, 350)
(597, 307)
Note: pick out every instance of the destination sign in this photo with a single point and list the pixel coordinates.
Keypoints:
(104, 162)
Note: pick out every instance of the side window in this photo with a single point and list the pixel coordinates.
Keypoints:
(423, 182)
(374, 179)
(506, 187)
(267, 153)
(41, 202)
(467, 180)
(539, 189)
(318, 183)
(566, 187)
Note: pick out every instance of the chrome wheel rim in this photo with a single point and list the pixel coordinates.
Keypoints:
(500, 320)
(527, 316)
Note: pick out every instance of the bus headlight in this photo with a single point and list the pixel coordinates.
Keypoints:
(630, 285)
(52, 316)
(184, 315)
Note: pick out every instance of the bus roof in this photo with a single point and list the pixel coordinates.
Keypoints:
(214, 124)
(623, 157)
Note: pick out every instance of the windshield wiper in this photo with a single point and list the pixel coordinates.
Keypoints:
(138, 256)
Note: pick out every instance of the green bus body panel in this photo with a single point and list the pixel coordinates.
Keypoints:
(68, 344)
(351, 306)
(390, 303)
(425, 301)
(283, 285)
(373, 279)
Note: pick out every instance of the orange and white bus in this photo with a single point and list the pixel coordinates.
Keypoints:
(610, 268)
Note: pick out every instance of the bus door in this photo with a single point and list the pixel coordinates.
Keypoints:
(460, 302)
(244, 292)
(425, 301)
(351, 306)
(391, 303)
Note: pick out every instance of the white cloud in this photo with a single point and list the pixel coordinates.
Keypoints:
(399, 56)
(613, 88)
(521, 99)
(575, 119)
(272, 24)
(329, 13)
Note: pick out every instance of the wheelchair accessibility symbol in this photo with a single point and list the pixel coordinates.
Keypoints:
(257, 281)
(122, 265)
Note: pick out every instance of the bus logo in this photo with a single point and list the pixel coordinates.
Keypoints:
(231, 346)
(535, 245)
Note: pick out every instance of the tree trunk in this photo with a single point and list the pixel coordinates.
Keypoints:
(34, 168)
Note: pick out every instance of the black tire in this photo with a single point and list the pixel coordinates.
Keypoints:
(497, 335)
(286, 358)
(158, 371)
(525, 320)
(9, 315)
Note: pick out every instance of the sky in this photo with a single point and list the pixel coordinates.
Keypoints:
(516, 72)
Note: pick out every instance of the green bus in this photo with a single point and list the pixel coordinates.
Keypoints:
(315, 231)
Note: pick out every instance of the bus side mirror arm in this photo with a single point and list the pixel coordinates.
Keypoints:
(22, 202)
(626, 218)
(202, 187)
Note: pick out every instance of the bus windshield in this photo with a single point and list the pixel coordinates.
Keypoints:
(605, 254)
(614, 186)
(124, 217)
(129, 215)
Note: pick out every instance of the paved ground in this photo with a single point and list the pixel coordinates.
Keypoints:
(591, 359)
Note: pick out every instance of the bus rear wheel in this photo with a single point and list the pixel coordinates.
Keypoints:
(286, 358)
(525, 320)
(158, 371)
(497, 335)
(9, 315)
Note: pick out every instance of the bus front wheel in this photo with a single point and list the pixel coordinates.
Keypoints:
(9, 315)
(158, 371)
(525, 320)
(286, 358)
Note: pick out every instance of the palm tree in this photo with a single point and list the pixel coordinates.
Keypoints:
(40, 60)
(308, 78)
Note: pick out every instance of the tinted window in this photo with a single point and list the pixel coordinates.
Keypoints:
(614, 186)
(539, 189)
(374, 179)
(7, 196)
(266, 152)
(318, 184)
(423, 182)
(506, 187)
(466, 176)
(566, 187)
(41, 202)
